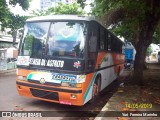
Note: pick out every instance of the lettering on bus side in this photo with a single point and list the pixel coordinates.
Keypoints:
(50, 63)
(55, 63)
(33, 61)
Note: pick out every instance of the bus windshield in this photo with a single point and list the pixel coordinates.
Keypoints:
(56, 39)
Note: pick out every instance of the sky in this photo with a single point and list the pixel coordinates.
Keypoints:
(34, 4)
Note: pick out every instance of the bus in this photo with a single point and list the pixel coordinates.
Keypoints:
(158, 57)
(67, 59)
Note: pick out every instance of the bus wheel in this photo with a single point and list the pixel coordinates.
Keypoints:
(96, 86)
(119, 69)
(118, 73)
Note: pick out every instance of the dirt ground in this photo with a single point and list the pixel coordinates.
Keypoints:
(135, 98)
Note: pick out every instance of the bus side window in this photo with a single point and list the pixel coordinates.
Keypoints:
(102, 38)
(109, 42)
(113, 44)
(120, 47)
(106, 40)
(92, 45)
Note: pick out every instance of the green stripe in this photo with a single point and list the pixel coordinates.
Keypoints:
(91, 83)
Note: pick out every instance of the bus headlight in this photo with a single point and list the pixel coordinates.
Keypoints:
(64, 84)
(81, 78)
(68, 84)
(22, 78)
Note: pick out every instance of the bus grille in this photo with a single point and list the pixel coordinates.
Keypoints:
(44, 94)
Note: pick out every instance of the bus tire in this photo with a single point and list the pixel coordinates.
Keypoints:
(96, 87)
(118, 73)
(119, 69)
(96, 84)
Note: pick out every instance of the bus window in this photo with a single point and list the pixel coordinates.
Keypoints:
(113, 44)
(102, 38)
(92, 44)
(106, 40)
(66, 39)
(34, 38)
(120, 47)
(109, 42)
(159, 57)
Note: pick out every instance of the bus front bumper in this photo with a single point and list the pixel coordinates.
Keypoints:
(69, 96)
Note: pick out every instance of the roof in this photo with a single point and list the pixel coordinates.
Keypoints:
(60, 17)
(8, 39)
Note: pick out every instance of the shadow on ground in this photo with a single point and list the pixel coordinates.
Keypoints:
(135, 98)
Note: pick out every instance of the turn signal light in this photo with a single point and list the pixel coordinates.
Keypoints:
(79, 85)
(22, 78)
(19, 87)
(73, 96)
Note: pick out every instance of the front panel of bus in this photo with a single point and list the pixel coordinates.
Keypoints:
(51, 62)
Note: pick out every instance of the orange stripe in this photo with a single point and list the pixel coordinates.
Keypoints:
(100, 57)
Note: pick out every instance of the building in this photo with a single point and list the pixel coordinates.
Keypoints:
(8, 53)
(7, 41)
(45, 4)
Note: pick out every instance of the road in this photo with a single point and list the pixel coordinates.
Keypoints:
(11, 101)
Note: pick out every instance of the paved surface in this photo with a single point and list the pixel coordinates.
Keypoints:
(5, 72)
(11, 101)
(133, 98)
(116, 99)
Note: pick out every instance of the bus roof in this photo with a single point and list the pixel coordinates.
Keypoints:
(60, 17)
(66, 17)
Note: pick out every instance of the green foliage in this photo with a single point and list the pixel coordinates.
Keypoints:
(10, 20)
(28, 43)
(4, 11)
(135, 20)
(23, 3)
(38, 13)
(149, 50)
(14, 22)
(128, 17)
(82, 3)
(156, 35)
(61, 8)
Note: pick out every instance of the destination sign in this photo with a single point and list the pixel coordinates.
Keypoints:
(40, 62)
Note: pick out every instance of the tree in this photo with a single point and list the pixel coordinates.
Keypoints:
(82, 3)
(4, 11)
(38, 13)
(134, 19)
(7, 18)
(61, 8)
(23, 3)
(14, 22)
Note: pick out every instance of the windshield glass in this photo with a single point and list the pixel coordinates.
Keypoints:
(66, 39)
(34, 38)
(61, 39)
